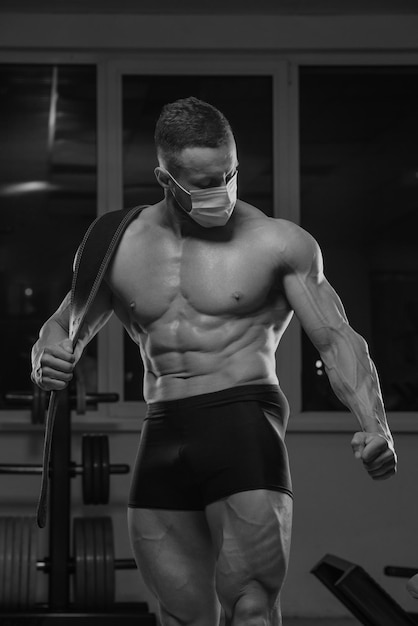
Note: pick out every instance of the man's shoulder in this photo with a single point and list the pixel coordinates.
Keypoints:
(299, 250)
(292, 246)
(278, 229)
(143, 223)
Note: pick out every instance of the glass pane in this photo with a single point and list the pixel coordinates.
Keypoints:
(359, 190)
(48, 198)
(247, 103)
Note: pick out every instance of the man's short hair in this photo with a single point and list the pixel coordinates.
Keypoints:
(189, 123)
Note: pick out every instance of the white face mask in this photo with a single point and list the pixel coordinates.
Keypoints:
(213, 206)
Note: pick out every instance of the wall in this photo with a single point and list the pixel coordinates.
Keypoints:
(227, 32)
(338, 509)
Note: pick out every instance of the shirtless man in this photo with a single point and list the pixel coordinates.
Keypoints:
(206, 285)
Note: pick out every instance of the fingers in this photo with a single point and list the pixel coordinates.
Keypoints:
(377, 453)
(382, 467)
(56, 366)
(358, 444)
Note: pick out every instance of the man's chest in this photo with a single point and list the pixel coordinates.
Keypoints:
(211, 278)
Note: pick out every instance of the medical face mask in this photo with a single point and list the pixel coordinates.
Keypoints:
(213, 206)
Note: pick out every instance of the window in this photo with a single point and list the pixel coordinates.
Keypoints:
(48, 185)
(359, 196)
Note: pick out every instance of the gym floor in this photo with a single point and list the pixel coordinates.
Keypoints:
(294, 621)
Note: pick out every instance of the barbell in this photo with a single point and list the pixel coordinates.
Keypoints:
(38, 400)
(95, 469)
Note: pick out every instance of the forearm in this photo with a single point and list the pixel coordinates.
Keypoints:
(51, 333)
(354, 380)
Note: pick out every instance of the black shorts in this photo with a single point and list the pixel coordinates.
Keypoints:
(201, 449)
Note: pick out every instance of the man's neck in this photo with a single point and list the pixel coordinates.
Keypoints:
(177, 220)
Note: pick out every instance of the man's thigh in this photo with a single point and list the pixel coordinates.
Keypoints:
(251, 532)
(175, 555)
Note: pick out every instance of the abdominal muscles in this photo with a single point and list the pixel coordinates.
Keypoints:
(186, 353)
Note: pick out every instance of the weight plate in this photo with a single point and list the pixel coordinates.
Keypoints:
(97, 469)
(90, 562)
(100, 563)
(94, 576)
(79, 587)
(16, 561)
(8, 563)
(105, 486)
(87, 461)
(109, 558)
(2, 558)
(33, 559)
(24, 564)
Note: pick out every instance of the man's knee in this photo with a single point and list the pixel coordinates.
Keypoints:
(255, 607)
(191, 606)
(250, 610)
(202, 616)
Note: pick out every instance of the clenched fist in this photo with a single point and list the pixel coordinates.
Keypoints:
(54, 368)
(376, 452)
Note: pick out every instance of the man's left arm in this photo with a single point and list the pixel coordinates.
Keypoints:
(351, 371)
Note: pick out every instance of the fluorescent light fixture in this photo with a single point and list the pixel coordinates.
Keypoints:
(31, 186)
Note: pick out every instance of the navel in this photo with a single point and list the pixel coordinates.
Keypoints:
(237, 295)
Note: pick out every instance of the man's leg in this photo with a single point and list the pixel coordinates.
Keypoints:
(175, 555)
(251, 532)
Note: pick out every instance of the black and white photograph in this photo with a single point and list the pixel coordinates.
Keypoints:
(208, 312)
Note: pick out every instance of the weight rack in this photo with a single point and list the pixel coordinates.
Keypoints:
(60, 566)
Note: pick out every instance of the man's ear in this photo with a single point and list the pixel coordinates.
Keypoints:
(162, 177)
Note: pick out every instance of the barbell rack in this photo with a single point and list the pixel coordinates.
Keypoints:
(60, 565)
